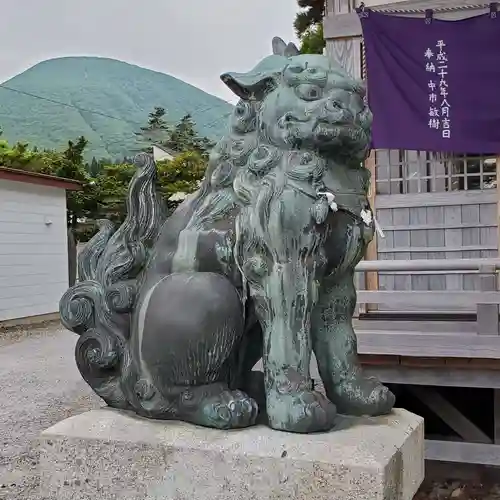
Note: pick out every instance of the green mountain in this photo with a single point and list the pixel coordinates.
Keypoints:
(91, 88)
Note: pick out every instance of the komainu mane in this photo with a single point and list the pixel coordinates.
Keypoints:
(173, 313)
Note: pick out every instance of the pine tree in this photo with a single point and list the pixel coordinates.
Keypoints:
(156, 120)
(309, 26)
(157, 130)
(185, 138)
(74, 151)
(93, 167)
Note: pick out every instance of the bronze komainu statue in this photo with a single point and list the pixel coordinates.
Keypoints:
(173, 313)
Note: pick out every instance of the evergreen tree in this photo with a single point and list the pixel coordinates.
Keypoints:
(93, 169)
(156, 120)
(309, 26)
(184, 137)
(180, 138)
(156, 131)
(312, 41)
(74, 151)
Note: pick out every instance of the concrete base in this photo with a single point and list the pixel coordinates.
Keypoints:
(107, 454)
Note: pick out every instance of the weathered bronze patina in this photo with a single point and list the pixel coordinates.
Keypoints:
(173, 313)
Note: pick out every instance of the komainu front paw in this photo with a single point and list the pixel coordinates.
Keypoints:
(304, 411)
(229, 410)
(362, 396)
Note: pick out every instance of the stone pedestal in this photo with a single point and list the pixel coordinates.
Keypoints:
(107, 454)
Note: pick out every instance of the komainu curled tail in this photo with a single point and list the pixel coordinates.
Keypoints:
(98, 307)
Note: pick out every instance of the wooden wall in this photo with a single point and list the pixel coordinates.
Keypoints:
(346, 51)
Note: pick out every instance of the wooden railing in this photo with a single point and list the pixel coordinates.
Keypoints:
(486, 300)
(430, 337)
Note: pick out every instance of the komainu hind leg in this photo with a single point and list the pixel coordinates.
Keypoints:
(190, 326)
(335, 347)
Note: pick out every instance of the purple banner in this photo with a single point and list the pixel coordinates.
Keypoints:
(434, 86)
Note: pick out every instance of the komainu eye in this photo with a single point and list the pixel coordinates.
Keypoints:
(309, 92)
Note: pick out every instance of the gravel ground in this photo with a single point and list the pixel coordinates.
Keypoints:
(40, 385)
(457, 490)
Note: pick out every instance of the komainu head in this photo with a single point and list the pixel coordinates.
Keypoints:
(306, 101)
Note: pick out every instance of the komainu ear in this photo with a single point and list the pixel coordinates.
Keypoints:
(249, 86)
(279, 46)
(291, 50)
(262, 79)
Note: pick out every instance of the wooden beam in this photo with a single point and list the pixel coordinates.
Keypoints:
(451, 225)
(421, 5)
(496, 416)
(437, 199)
(342, 6)
(414, 298)
(347, 24)
(498, 202)
(450, 415)
(425, 344)
(329, 8)
(463, 453)
(371, 278)
(342, 26)
(447, 376)
(487, 314)
(454, 327)
(449, 248)
(408, 266)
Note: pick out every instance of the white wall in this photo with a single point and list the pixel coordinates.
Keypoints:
(33, 253)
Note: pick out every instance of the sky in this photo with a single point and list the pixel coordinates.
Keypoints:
(194, 40)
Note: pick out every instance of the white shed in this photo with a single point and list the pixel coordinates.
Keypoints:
(33, 243)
